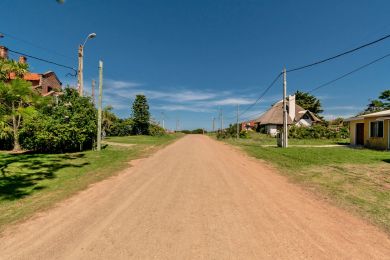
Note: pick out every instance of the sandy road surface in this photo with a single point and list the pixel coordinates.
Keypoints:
(195, 199)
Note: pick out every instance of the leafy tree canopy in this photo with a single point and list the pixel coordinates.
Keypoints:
(376, 105)
(141, 115)
(308, 102)
(17, 102)
(69, 125)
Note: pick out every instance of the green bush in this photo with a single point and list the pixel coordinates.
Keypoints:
(156, 130)
(318, 132)
(121, 127)
(68, 126)
(198, 131)
(231, 132)
(244, 134)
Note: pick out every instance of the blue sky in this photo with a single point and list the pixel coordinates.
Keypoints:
(192, 57)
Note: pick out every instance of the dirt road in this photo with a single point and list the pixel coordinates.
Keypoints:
(195, 199)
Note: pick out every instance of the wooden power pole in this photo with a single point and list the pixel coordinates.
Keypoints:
(221, 118)
(285, 126)
(163, 120)
(93, 91)
(238, 127)
(99, 130)
(80, 72)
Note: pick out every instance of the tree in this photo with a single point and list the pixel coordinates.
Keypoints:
(109, 119)
(308, 102)
(67, 126)
(376, 105)
(9, 66)
(141, 115)
(16, 101)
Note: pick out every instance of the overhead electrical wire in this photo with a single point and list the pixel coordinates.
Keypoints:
(349, 73)
(44, 60)
(325, 60)
(37, 46)
(259, 98)
(339, 55)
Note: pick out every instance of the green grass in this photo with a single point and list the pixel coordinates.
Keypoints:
(263, 139)
(355, 179)
(143, 139)
(34, 182)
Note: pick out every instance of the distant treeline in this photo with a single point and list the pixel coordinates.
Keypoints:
(196, 131)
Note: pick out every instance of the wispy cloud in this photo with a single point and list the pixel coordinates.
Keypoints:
(118, 84)
(120, 93)
(182, 108)
(335, 115)
(232, 101)
(343, 108)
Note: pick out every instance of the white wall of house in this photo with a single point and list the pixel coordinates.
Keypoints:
(291, 107)
(304, 122)
(271, 130)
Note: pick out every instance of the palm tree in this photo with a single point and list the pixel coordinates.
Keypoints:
(16, 100)
(10, 66)
(15, 96)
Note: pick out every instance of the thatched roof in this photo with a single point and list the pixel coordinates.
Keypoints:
(274, 115)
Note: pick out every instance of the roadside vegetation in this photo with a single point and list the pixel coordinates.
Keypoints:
(356, 179)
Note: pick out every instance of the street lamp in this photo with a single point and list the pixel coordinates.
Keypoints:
(81, 63)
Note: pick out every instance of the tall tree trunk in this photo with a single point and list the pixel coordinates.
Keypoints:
(16, 134)
(15, 126)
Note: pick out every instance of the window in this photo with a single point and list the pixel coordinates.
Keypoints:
(376, 129)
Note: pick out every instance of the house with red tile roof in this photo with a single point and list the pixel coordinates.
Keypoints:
(47, 84)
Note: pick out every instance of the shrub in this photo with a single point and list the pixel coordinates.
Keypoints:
(198, 131)
(68, 126)
(244, 134)
(156, 130)
(121, 127)
(317, 132)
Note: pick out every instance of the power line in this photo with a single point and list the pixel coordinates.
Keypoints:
(37, 46)
(339, 55)
(262, 94)
(44, 60)
(349, 73)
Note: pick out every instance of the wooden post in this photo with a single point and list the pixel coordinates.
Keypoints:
(99, 130)
(80, 70)
(93, 91)
(238, 127)
(285, 126)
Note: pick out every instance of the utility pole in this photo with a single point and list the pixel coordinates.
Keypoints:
(238, 128)
(213, 124)
(99, 134)
(163, 118)
(80, 70)
(285, 127)
(221, 118)
(93, 91)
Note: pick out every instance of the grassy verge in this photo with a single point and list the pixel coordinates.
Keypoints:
(263, 139)
(34, 182)
(355, 179)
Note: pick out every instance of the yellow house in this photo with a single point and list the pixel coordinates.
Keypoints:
(371, 130)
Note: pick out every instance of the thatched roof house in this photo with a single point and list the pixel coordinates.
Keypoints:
(272, 119)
